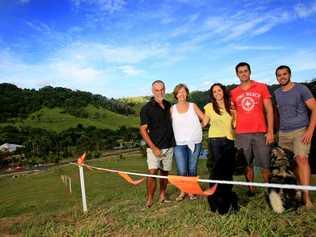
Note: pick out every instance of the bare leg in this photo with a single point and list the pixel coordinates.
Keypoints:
(304, 176)
(265, 175)
(163, 185)
(151, 187)
(249, 174)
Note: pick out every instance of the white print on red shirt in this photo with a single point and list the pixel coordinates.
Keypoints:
(248, 100)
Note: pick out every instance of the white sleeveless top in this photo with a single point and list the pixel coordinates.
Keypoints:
(186, 127)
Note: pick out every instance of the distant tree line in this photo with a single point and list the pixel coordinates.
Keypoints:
(202, 97)
(19, 103)
(43, 146)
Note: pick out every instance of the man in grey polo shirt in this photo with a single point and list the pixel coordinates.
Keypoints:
(156, 130)
(296, 128)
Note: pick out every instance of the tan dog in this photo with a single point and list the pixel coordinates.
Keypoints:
(282, 167)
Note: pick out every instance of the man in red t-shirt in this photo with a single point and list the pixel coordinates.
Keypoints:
(254, 122)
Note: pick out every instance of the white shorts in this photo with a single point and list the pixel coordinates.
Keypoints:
(164, 162)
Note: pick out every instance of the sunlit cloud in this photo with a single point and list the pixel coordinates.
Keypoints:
(255, 47)
(129, 70)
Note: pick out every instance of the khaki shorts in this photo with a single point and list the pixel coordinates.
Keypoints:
(293, 141)
(163, 162)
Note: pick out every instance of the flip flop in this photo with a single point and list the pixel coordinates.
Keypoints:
(192, 197)
(164, 201)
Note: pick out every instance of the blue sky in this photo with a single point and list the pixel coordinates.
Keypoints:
(118, 47)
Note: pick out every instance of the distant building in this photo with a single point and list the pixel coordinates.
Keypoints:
(6, 147)
(8, 157)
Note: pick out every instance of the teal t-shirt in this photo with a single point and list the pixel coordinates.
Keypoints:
(292, 109)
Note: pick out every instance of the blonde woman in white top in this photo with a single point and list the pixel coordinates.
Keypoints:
(187, 130)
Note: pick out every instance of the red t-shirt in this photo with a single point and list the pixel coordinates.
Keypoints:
(249, 108)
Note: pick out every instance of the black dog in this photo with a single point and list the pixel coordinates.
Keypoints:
(282, 172)
(224, 199)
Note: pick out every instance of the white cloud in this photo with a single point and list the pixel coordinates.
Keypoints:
(74, 71)
(186, 27)
(106, 6)
(245, 24)
(83, 66)
(303, 60)
(243, 28)
(129, 70)
(98, 52)
(302, 10)
(39, 26)
(58, 72)
(24, 1)
(255, 47)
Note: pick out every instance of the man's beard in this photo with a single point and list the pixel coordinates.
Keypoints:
(286, 83)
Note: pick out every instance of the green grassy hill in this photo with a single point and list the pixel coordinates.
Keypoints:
(40, 205)
(56, 119)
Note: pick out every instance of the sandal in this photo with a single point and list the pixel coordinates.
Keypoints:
(181, 197)
(164, 201)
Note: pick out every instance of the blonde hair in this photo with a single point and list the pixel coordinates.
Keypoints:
(178, 87)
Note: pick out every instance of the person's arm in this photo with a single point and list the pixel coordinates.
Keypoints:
(234, 117)
(147, 139)
(233, 112)
(269, 117)
(307, 137)
(203, 118)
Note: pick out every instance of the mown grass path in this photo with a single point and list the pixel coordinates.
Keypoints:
(39, 205)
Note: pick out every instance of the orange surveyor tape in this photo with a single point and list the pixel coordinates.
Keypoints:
(190, 185)
(129, 179)
(125, 176)
(184, 183)
(81, 159)
(194, 187)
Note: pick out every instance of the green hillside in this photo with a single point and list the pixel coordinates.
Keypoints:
(56, 119)
(21, 103)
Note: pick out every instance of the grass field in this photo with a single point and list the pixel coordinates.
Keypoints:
(54, 119)
(39, 205)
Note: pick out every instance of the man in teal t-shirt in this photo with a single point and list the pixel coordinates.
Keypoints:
(296, 128)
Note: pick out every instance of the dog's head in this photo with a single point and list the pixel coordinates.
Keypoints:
(282, 162)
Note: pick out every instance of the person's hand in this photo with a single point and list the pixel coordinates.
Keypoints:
(307, 137)
(156, 151)
(269, 138)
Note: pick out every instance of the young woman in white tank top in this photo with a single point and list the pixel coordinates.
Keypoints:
(187, 130)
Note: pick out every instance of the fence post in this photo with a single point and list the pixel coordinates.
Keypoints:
(83, 190)
(70, 188)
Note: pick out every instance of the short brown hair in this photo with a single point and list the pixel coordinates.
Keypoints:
(242, 64)
(178, 87)
(283, 67)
